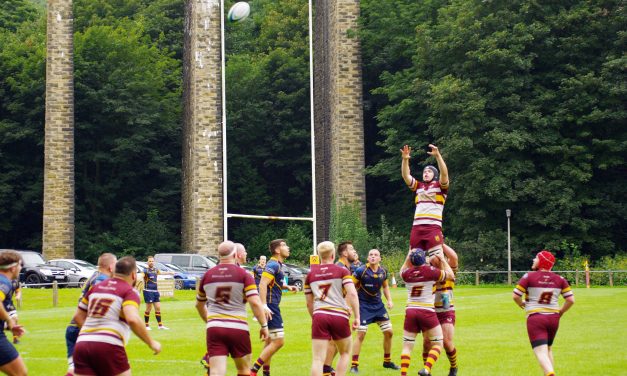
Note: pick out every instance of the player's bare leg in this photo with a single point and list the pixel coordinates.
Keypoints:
(271, 347)
(147, 315)
(242, 364)
(448, 330)
(328, 360)
(436, 338)
(542, 354)
(361, 335)
(409, 340)
(158, 316)
(16, 367)
(551, 356)
(344, 349)
(386, 329)
(319, 350)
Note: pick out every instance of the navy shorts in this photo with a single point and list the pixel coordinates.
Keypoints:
(371, 313)
(71, 335)
(277, 321)
(151, 296)
(8, 353)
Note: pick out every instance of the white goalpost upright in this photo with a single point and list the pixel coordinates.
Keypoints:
(226, 214)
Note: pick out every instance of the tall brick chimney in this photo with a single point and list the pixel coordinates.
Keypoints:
(58, 221)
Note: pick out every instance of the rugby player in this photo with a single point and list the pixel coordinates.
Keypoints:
(542, 289)
(370, 279)
(106, 315)
(11, 363)
(328, 306)
(221, 304)
(431, 193)
(151, 294)
(270, 291)
(106, 267)
(420, 315)
(258, 269)
(445, 310)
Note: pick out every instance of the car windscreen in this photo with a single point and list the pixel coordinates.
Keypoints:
(85, 264)
(32, 259)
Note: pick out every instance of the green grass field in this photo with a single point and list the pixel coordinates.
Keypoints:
(491, 336)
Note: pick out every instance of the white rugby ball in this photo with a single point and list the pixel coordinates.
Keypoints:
(239, 11)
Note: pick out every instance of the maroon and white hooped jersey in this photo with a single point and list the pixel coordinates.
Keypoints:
(326, 282)
(226, 288)
(542, 290)
(420, 282)
(430, 199)
(105, 318)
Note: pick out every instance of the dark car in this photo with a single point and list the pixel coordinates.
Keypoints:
(295, 275)
(35, 270)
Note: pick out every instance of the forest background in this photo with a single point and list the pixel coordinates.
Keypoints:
(526, 101)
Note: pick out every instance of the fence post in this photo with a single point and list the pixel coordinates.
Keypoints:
(577, 278)
(477, 277)
(611, 279)
(55, 293)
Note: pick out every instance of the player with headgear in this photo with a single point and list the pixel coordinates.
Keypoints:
(420, 279)
(430, 197)
(541, 289)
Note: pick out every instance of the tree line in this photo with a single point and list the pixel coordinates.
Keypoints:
(525, 100)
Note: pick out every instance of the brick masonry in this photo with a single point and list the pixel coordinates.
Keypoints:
(202, 200)
(58, 221)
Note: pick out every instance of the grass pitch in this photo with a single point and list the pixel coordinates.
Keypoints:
(491, 336)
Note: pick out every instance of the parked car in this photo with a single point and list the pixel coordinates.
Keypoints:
(182, 279)
(78, 271)
(189, 262)
(295, 275)
(36, 271)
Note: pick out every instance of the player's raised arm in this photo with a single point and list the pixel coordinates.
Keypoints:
(405, 156)
(441, 165)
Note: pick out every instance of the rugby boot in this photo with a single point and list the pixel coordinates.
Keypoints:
(452, 372)
(148, 328)
(354, 369)
(391, 365)
(424, 372)
(163, 327)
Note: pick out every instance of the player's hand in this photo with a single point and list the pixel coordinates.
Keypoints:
(155, 347)
(434, 150)
(406, 152)
(292, 288)
(267, 312)
(355, 323)
(390, 304)
(18, 330)
(264, 333)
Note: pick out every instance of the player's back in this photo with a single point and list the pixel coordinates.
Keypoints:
(226, 287)
(542, 289)
(420, 282)
(103, 304)
(326, 283)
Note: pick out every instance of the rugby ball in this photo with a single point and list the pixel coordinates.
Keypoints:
(238, 12)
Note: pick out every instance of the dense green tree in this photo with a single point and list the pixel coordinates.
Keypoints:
(14, 13)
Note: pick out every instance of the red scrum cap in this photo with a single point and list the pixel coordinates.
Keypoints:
(545, 260)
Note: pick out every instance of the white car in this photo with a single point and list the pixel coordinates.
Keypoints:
(78, 271)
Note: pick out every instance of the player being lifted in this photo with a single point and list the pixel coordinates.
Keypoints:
(329, 308)
(151, 293)
(221, 304)
(542, 289)
(370, 279)
(106, 315)
(106, 267)
(431, 193)
(445, 310)
(270, 291)
(11, 363)
(420, 315)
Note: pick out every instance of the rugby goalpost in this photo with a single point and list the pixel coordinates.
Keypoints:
(226, 215)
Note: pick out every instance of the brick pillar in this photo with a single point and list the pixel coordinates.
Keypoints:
(58, 221)
(202, 201)
(339, 109)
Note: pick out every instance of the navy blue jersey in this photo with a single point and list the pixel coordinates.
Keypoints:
(350, 267)
(150, 279)
(257, 272)
(369, 283)
(274, 272)
(6, 294)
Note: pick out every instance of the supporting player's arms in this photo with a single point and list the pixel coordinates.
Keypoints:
(138, 327)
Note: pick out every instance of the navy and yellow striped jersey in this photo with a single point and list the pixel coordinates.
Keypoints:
(6, 294)
(274, 272)
(150, 279)
(369, 283)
